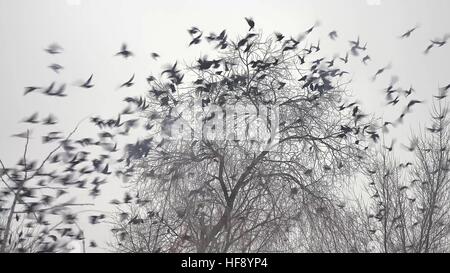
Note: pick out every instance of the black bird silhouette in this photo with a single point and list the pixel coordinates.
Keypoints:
(345, 60)
(56, 67)
(193, 30)
(408, 33)
(434, 129)
(302, 59)
(196, 40)
(427, 50)
(374, 136)
(394, 101)
(129, 83)
(172, 70)
(250, 22)
(59, 92)
(54, 49)
(355, 43)
(366, 59)
(33, 119)
(409, 91)
(308, 31)
(445, 88)
(413, 102)
(279, 36)
(49, 89)
(127, 198)
(106, 171)
(440, 96)
(355, 111)
(333, 35)
(50, 120)
(88, 83)
(390, 148)
(124, 51)
(442, 42)
(438, 43)
(380, 71)
(22, 135)
(155, 55)
(30, 89)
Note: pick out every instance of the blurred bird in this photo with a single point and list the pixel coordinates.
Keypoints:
(21, 135)
(56, 67)
(155, 55)
(345, 60)
(366, 59)
(33, 119)
(409, 91)
(50, 120)
(54, 49)
(128, 83)
(250, 22)
(279, 36)
(87, 84)
(333, 35)
(124, 51)
(30, 89)
(413, 102)
(408, 33)
(380, 71)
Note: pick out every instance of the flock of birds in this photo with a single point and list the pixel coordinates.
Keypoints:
(78, 168)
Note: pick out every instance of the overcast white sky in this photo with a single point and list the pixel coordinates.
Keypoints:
(92, 31)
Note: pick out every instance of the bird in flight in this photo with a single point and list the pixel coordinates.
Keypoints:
(155, 55)
(30, 89)
(124, 51)
(445, 88)
(250, 22)
(196, 40)
(437, 42)
(308, 31)
(345, 59)
(366, 59)
(54, 49)
(380, 71)
(279, 36)
(88, 84)
(441, 42)
(33, 119)
(409, 91)
(413, 102)
(129, 83)
(408, 33)
(193, 30)
(333, 35)
(56, 67)
(57, 93)
(22, 135)
(50, 120)
(427, 50)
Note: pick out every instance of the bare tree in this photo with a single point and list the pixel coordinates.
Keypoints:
(36, 199)
(409, 209)
(225, 195)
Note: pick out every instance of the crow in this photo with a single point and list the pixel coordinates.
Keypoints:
(88, 84)
(128, 83)
(250, 22)
(124, 51)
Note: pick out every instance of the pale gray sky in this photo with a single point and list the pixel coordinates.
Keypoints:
(92, 31)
